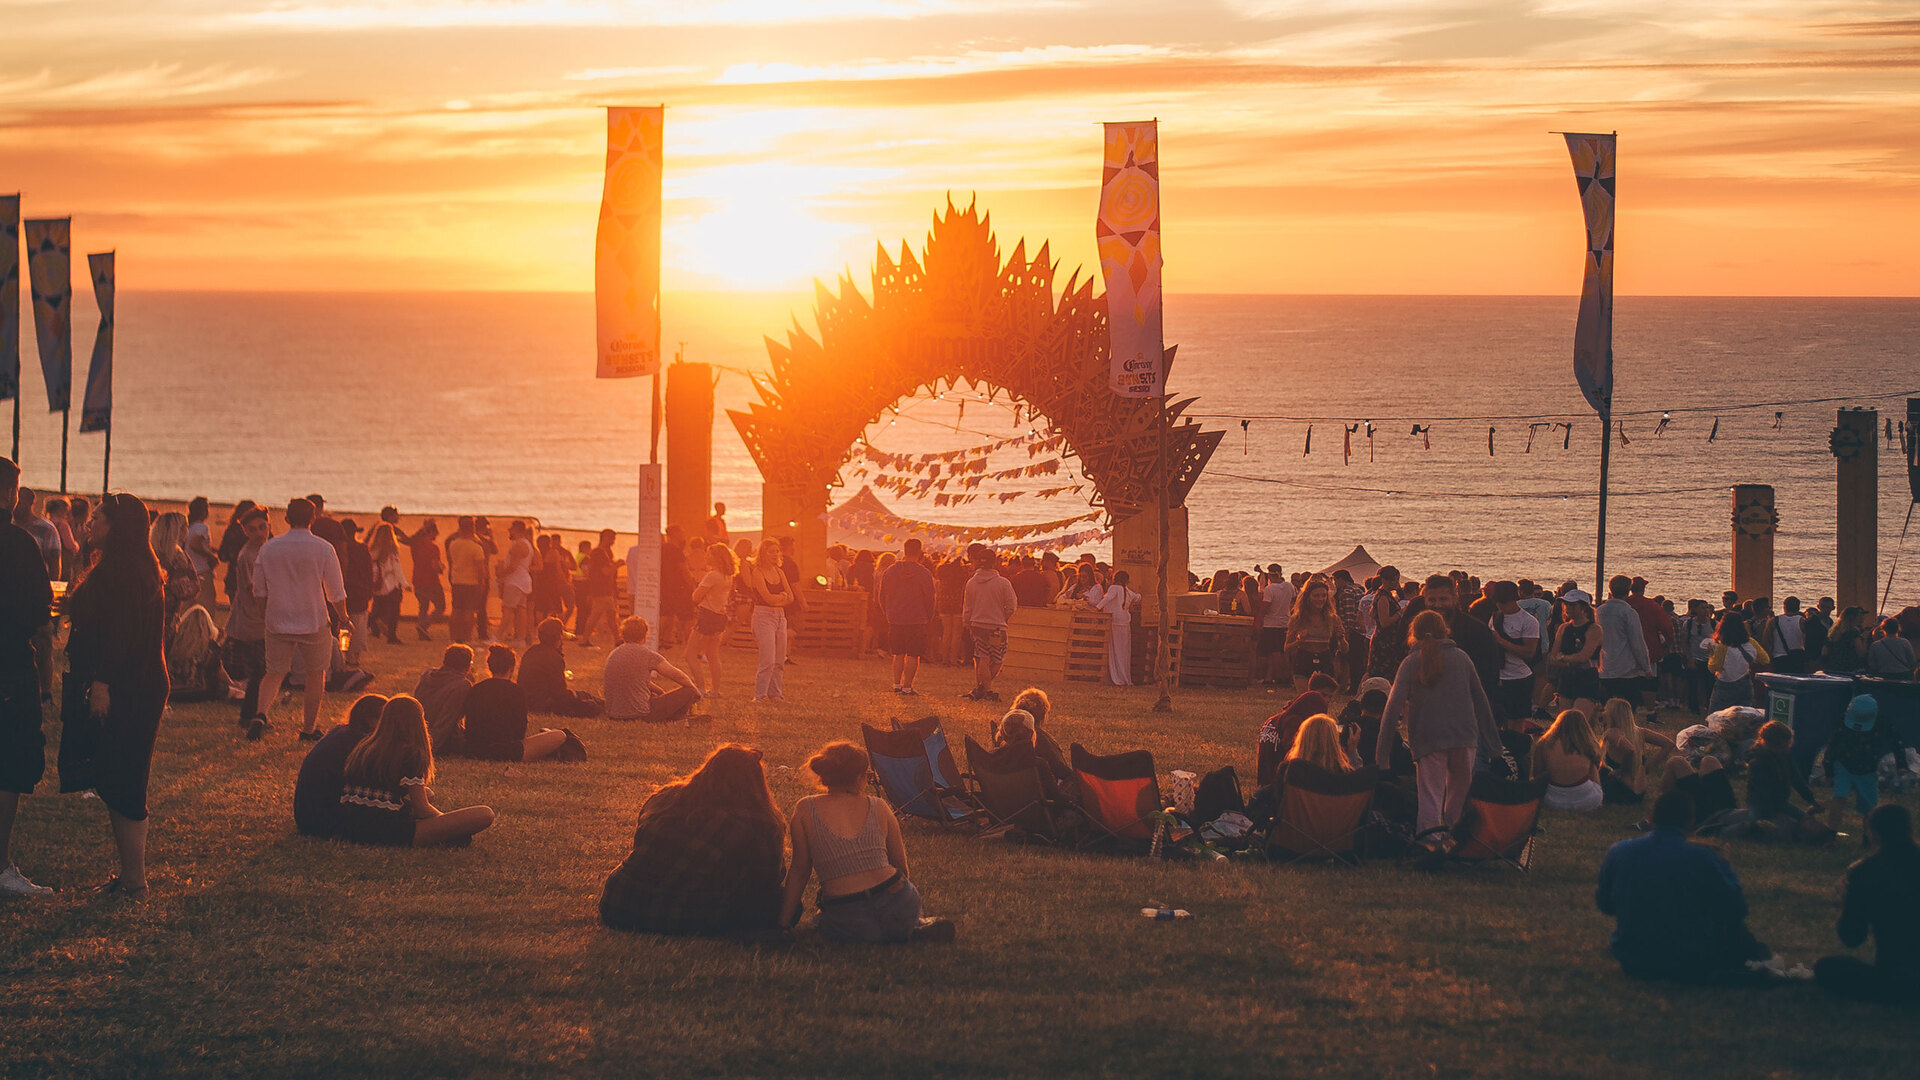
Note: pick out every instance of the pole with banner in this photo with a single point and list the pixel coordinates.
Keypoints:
(1127, 234)
(1593, 170)
(10, 310)
(96, 408)
(50, 269)
(626, 288)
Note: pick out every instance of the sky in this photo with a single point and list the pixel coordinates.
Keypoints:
(1767, 147)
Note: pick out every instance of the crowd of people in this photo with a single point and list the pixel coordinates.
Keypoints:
(1450, 679)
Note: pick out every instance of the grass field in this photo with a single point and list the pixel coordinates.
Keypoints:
(262, 953)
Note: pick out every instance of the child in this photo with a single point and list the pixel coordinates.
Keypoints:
(1853, 759)
(1771, 783)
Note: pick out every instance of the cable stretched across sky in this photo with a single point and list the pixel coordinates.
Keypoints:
(1618, 414)
(1568, 494)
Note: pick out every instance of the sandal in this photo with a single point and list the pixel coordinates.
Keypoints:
(113, 887)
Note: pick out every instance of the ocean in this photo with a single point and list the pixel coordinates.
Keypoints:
(485, 403)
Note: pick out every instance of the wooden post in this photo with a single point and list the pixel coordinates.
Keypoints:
(689, 446)
(1855, 443)
(786, 513)
(1754, 523)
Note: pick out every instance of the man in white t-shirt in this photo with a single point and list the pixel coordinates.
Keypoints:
(629, 682)
(298, 577)
(1518, 635)
(1786, 640)
(1276, 610)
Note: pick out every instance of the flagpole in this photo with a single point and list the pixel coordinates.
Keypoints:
(1163, 649)
(16, 424)
(1600, 550)
(66, 422)
(106, 462)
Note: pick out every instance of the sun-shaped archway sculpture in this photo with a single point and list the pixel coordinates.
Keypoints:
(957, 314)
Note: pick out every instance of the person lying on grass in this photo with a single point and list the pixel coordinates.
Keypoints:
(385, 799)
(708, 854)
(853, 841)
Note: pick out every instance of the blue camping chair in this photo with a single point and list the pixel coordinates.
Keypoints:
(939, 752)
(906, 779)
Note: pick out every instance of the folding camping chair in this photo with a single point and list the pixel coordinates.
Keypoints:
(905, 778)
(1500, 823)
(1321, 813)
(1117, 793)
(939, 751)
(1010, 791)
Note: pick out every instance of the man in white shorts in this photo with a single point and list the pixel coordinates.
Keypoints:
(299, 576)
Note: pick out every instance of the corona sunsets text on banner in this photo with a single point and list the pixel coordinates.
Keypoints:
(626, 261)
(1128, 237)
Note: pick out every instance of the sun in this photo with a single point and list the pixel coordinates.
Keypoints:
(751, 231)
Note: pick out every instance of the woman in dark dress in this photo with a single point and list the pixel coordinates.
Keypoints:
(116, 685)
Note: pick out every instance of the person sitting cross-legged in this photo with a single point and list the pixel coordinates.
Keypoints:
(1679, 911)
(497, 717)
(629, 684)
(1881, 895)
(543, 675)
(316, 791)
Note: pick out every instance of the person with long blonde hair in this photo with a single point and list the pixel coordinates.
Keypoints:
(387, 799)
(1316, 637)
(710, 599)
(773, 594)
(1627, 752)
(1318, 743)
(1438, 697)
(1568, 756)
(193, 659)
(168, 536)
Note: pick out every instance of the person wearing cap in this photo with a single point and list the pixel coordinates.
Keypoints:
(1853, 758)
(1518, 636)
(1276, 611)
(1360, 727)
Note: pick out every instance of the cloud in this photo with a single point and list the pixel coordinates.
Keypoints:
(152, 82)
(355, 15)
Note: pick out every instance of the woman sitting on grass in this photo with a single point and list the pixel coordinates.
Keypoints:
(1627, 752)
(385, 800)
(853, 842)
(708, 854)
(1316, 746)
(1772, 781)
(194, 666)
(1569, 758)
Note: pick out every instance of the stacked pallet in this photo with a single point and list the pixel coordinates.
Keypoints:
(1055, 645)
(1215, 650)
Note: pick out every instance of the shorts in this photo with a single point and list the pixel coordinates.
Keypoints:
(989, 643)
(23, 745)
(1866, 789)
(708, 621)
(884, 918)
(1627, 689)
(910, 639)
(512, 596)
(314, 650)
(1272, 639)
(469, 597)
(1580, 682)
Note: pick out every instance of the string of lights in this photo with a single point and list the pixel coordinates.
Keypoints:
(1418, 494)
(1617, 414)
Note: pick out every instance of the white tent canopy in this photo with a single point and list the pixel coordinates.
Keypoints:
(1359, 565)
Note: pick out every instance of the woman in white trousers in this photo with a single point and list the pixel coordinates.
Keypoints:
(772, 594)
(1118, 602)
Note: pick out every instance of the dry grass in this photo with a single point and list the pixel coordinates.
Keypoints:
(264, 953)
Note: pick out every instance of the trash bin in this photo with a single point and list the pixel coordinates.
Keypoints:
(1812, 705)
(1899, 704)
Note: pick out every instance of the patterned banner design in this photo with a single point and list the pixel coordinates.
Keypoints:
(626, 261)
(1593, 333)
(96, 409)
(49, 266)
(1128, 236)
(10, 297)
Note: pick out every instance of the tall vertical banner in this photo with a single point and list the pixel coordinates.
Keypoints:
(643, 562)
(49, 267)
(10, 297)
(96, 409)
(1593, 333)
(1128, 237)
(626, 262)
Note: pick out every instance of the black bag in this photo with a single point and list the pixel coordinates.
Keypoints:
(79, 736)
(571, 750)
(1217, 793)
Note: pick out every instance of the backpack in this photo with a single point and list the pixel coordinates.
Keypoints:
(1217, 793)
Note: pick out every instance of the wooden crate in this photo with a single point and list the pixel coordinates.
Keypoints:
(1215, 650)
(1056, 644)
(834, 624)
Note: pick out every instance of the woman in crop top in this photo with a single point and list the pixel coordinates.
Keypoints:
(853, 842)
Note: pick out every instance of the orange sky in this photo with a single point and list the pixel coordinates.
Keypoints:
(1767, 146)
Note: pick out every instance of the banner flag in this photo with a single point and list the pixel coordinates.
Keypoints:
(96, 409)
(1593, 333)
(1128, 237)
(49, 266)
(10, 297)
(626, 261)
